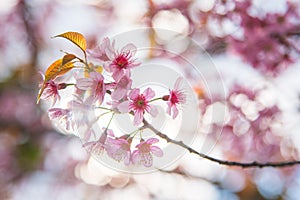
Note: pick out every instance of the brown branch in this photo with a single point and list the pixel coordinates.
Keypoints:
(221, 162)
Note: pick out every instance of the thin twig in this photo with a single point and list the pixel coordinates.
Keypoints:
(221, 162)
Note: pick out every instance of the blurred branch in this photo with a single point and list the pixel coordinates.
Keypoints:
(28, 20)
(219, 161)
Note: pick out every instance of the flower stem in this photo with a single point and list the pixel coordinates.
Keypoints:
(103, 108)
(158, 98)
(112, 116)
(102, 115)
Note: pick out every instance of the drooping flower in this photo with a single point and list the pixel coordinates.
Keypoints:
(98, 146)
(50, 91)
(119, 149)
(175, 98)
(62, 115)
(139, 103)
(122, 87)
(144, 153)
(95, 84)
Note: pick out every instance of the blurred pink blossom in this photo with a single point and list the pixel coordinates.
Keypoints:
(97, 146)
(119, 149)
(62, 115)
(144, 152)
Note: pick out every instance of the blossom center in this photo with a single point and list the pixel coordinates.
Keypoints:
(144, 148)
(99, 87)
(174, 99)
(122, 61)
(140, 102)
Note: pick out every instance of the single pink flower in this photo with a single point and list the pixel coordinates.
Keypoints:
(118, 149)
(50, 91)
(95, 84)
(145, 150)
(120, 61)
(175, 98)
(139, 103)
(62, 115)
(122, 87)
(97, 146)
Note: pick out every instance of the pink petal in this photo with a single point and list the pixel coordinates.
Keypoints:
(84, 83)
(147, 159)
(140, 144)
(138, 118)
(129, 47)
(88, 134)
(88, 144)
(118, 94)
(96, 76)
(152, 140)
(135, 156)
(153, 111)
(118, 74)
(127, 158)
(175, 111)
(178, 83)
(43, 76)
(169, 108)
(108, 48)
(149, 93)
(124, 107)
(110, 133)
(134, 94)
(156, 151)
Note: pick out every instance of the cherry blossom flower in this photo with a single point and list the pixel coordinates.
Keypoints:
(175, 98)
(95, 84)
(145, 150)
(119, 62)
(62, 115)
(122, 87)
(139, 103)
(119, 149)
(97, 146)
(50, 91)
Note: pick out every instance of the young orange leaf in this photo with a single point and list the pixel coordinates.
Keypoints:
(57, 69)
(67, 58)
(76, 38)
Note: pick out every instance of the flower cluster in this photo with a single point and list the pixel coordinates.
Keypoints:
(251, 129)
(119, 148)
(267, 41)
(107, 88)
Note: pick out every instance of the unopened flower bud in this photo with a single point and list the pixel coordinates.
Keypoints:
(166, 97)
(61, 86)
